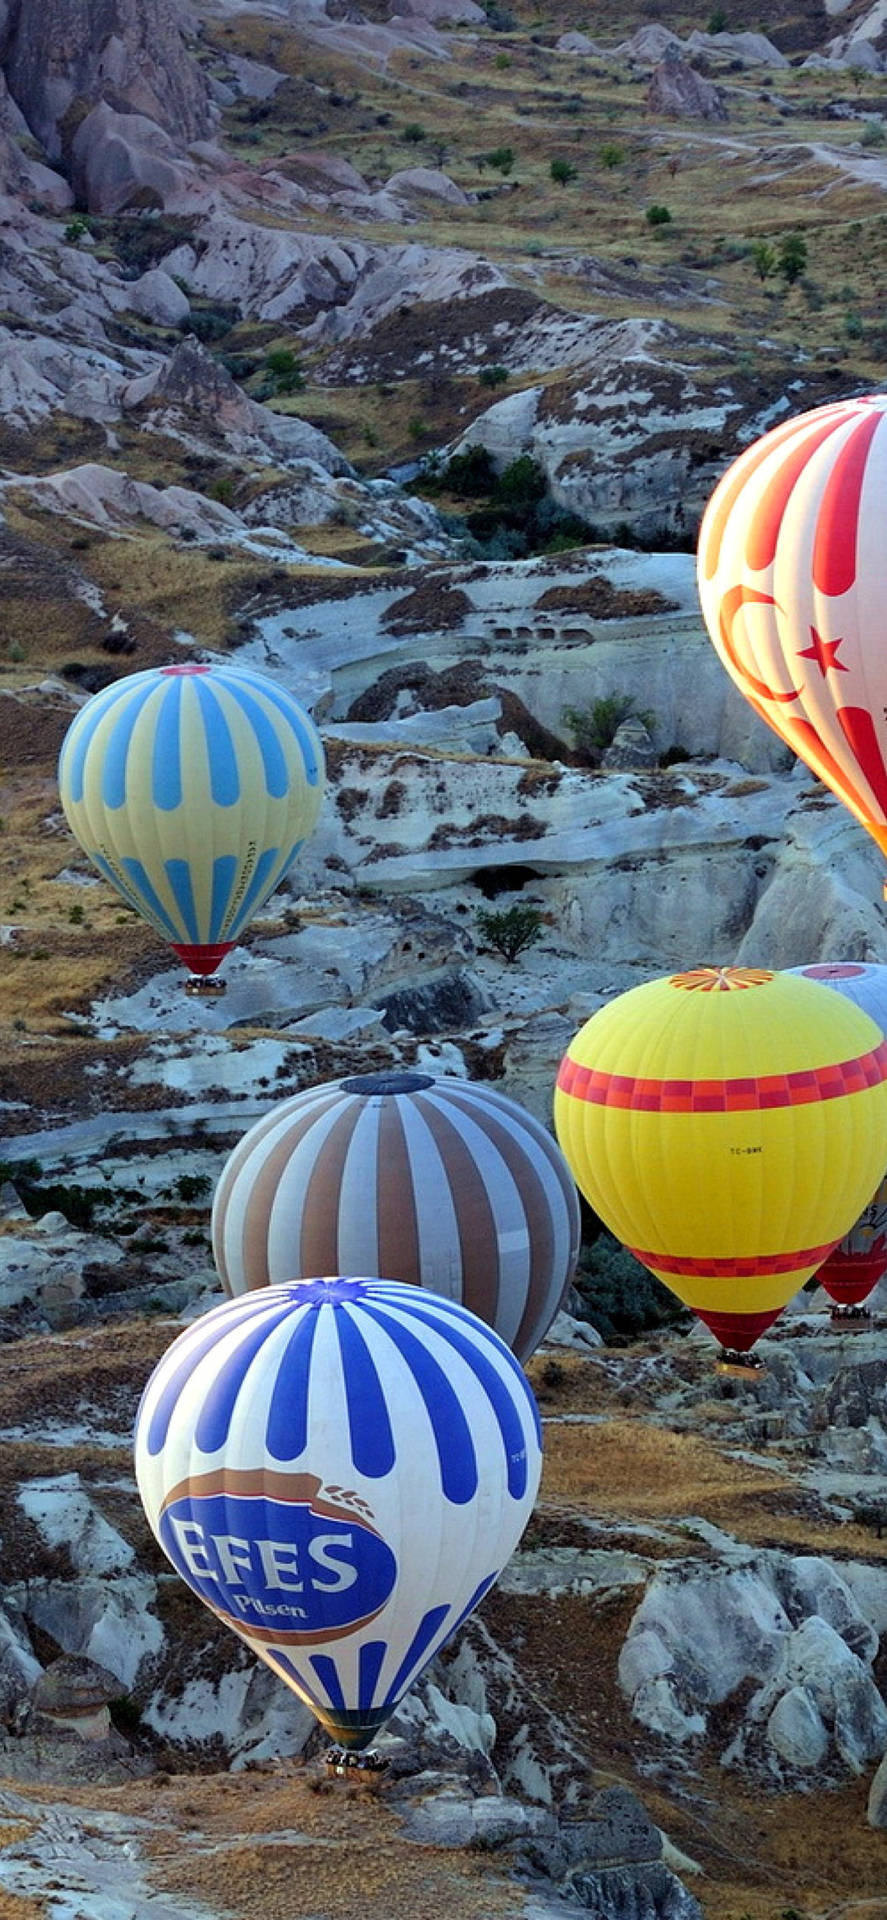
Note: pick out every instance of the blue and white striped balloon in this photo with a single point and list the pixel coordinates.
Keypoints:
(340, 1469)
(192, 789)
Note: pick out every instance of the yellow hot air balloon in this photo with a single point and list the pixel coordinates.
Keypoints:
(727, 1125)
(792, 582)
(192, 789)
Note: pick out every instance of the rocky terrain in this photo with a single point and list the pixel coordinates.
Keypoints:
(394, 349)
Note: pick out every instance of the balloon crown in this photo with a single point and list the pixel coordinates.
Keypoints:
(335, 1292)
(370, 1083)
(720, 979)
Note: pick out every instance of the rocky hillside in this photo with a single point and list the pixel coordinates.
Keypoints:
(394, 349)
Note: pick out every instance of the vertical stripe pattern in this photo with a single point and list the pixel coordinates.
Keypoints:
(340, 1469)
(415, 1177)
(792, 582)
(192, 790)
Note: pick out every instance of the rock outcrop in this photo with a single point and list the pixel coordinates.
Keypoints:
(65, 57)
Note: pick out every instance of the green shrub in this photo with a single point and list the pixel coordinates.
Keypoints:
(792, 257)
(611, 155)
(510, 931)
(502, 158)
(413, 133)
(621, 1298)
(873, 133)
(657, 216)
(76, 230)
(562, 172)
(594, 728)
(284, 370)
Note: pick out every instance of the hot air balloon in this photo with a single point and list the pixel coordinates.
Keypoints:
(192, 788)
(416, 1176)
(340, 1469)
(857, 1263)
(793, 581)
(726, 1124)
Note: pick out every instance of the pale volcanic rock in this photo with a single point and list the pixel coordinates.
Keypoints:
(125, 160)
(191, 392)
(427, 183)
(128, 53)
(753, 49)
(677, 90)
(455, 13)
(156, 297)
(105, 497)
(74, 1691)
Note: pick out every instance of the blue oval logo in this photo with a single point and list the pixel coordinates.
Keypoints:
(279, 1569)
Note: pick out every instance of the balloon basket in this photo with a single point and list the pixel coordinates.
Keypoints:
(739, 1366)
(851, 1319)
(204, 987)
(344, 1763)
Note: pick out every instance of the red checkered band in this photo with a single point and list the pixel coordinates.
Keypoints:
(752, 1095)
(751, 1267)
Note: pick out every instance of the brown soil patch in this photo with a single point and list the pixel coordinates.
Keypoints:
(602, 601)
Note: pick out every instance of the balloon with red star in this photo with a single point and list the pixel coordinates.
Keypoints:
(793, 584)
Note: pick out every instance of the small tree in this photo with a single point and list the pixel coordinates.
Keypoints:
(611, 155)
(494, 376)
(657, 216)
(510, 931)
(562, 172)
(413, 133)
(764, 257)
(285, 371)
(502, 158)
(792, 257)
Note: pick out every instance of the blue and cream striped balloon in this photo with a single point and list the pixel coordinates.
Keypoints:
(340, 1469)
(192, 789)
(422, 1177)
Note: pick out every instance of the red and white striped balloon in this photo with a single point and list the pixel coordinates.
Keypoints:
(793, 583)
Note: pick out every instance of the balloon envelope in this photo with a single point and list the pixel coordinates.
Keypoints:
(419, 1177)
(340, 1469)
(726, 1125)
(792, 571)
(192, 788)
(859, 1261)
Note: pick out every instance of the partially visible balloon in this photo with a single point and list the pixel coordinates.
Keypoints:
(340, 1469)
(192, 789)
(726, 1124)
(793, 584)
(859, 1261)
(416, 1176)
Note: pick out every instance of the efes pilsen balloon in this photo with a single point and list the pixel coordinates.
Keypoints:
(340, 1469)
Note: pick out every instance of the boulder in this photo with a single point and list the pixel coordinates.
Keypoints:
(123, 160)
(447, 1000)
(876, 1810)
(796, 1730)
(631, 746)
(67, 54)
(157, 298)
(76, 1692)
(427, 183)
(677, 90)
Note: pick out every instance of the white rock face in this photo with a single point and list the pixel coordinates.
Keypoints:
(156, 297)
(66, 1516)
(796, 1729)
(700, 1632)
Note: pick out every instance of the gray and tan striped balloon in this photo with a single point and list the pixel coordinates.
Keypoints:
(410, 1176)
